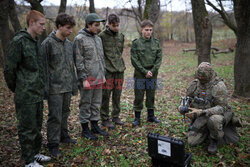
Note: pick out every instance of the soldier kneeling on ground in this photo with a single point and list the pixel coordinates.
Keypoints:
(211, 116)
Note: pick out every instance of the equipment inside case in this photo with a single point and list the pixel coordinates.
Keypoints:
(167, 151)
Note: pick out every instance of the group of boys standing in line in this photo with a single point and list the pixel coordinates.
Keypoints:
(56, 69)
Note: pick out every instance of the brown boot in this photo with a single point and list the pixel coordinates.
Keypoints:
(108, 124)
(117, 121)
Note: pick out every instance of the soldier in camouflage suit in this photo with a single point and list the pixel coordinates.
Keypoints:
(90, 65)
(113, 42)
(61, 82)
(24, 75)
(212, 117)
(146, 57)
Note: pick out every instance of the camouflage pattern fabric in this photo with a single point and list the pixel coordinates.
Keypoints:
(30, 119)
(113, 85)
(89, 105)
(113, 44)
(90, 65)
(218, 113)
(88, 57)
(59, 111)
(146, 55)
(24, 75)
(60, 71)
(24, 69)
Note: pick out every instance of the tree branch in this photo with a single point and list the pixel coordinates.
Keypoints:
(224, 15)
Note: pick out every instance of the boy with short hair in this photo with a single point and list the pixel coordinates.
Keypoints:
(90, 65)
(113, 43)
(146, 57)
(61, 82)
(24, 75)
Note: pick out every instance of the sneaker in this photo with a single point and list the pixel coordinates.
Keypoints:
(108, 124)
(33, 164)
(117, 121)
(42, 158)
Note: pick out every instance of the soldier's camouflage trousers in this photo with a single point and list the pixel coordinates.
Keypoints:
(203, 127)
(142, 85)
(59, 111)
(90, 103)
(114, 82)
(30, 118)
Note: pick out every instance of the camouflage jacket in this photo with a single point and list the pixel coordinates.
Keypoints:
(24, 68)
(214, 93)
(146, 55)
(88, 57)
(113, 47)
(59, 65)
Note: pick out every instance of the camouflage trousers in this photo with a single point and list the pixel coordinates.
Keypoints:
(59, 111)
(114, 82)
(203, 127)
(144, 85)
(30, 119)
(90, 103)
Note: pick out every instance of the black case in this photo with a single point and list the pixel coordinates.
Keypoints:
(175, 154)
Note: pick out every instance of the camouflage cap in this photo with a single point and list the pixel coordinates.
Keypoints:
(204, 72)
(93, 17)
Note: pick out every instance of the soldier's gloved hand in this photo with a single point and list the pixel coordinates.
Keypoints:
(195, 113)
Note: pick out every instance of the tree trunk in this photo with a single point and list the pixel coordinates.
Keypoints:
(91, 6)
(62, 7)
(36, 5)
(5, 29)
(13, 16)
(242, 54)
(202, 29)
(152, 10)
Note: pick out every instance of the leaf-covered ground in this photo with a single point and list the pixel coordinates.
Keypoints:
(127, 146)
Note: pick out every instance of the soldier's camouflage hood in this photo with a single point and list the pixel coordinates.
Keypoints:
(53, 35)
(25, 34)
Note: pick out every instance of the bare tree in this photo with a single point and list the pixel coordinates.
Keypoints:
(36, 5)
(7, 11)
(242, 54)
(13, 16)
(152, 10)
(4, 25)
(228, 20)
(62, 7)
(241, 27)
(202, 29)
(91, 6)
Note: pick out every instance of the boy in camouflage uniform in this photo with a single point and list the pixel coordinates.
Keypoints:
(24, 75)
(146, 57)
(212, 116)
(113, 43)
(61, 82)
(88, 55)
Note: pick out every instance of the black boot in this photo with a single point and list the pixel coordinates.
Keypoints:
(96, 129)
(137, 121)
(212, 147)
(151, 116)
(86, 132)
(54, 150)
(65, 138)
